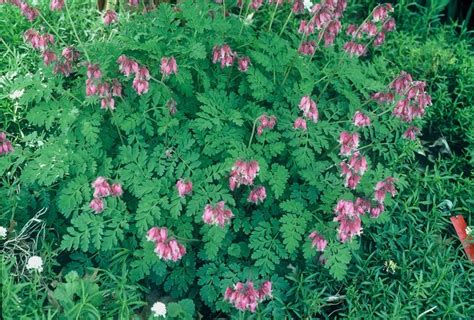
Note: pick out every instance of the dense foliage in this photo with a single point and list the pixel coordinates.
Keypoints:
(269, 149)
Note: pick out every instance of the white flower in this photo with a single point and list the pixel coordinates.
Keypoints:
(17, 94)
(3, 232)
(35, 263)
(159, 309)
(307, 4)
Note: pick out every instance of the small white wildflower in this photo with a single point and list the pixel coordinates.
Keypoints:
(17, 94)
(307, 4)
(468, 231)
(249, 19)
(35, 263)
(3, 232)
(159, 309)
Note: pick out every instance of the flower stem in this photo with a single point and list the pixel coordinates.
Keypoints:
(286, 22)
(245, 17)
(75, 31)
(273, 17)
(253, 132)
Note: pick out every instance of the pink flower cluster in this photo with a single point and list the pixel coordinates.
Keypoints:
(168, 66)
(370, 31)
(325, 18)
(243, 173)
(103, 189)
(56, 5)
(128, 66)
(110, 17)
(298, 7)
(412, 102)
(166, 248)
(38, 41)
(184, 187)
(300, 123)
(217, 215)
(28, 12)
(349, 142)
(258, 194)
(256, 4)
(382, 187)
(5, 144)
(361, 120)
(64, 65)
(353, 170)
(244, 296)
(318, 241)
(225, 56)
(310, 110)
(105, 90)
(266, 122)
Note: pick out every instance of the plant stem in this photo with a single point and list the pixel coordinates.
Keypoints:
(273, 17)
(246, 14)
(116, 126)
(253, 132)
(286, 22)
(75, 31)
(51, 27)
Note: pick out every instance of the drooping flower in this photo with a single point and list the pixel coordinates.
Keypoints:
(349, 142)
(350, 224)
(101, 187)
(309, 108)
(355, 49)
(126, 65)
(217, 215)
(97, 205)
(70, 54)
(224, 55)
(171, 104)
(133, 3)
(362, 206)
(353, 170)
(183, 187)
(256, 4)
(5, 144)
(369, 28)
(361, 120)
(35, 263)
(300, 123)
(64, 68)
(382, 97)
(116, 88)
(140, 82)
(306, 27)
(243, 173)
(244, 64)
(389, 25)
(299, 6)
(245, 297)
(411, 132)
(307, 47)
(379, 39)
(159, 309)
(37, 40)
(168, 66)
(56, 5)
(116, 190)
(318, 241)
(266, 122)
(376, 211)
(402, 83)
(258, 194)
(110, 17)
(28, 12)
(93, 71)
(382, 187)
(166, 248)
(380, 13)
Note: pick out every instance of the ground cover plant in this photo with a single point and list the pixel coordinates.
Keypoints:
(245, 159)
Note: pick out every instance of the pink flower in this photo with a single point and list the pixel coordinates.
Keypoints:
(309, 108)
(102, 187)
(244, 63)
(116, 88)
(28, 12)
(65, 68)
(380, 13)
(116, 190)
(224, 55)
(217, 215)
(127, 66)
(358, 163)
(369, 28)
(300, 123)
(307, 47)
(57, 5)
(91, 88)
(49, 57)
(37, 40)
(362, 206)
(110, 17)
(354, 170)
(97, 205)
(5, 144)
(171, 104)
(266, 122)
(306, 27)
(389, 25)
(351, 30)
(70, 54)
(402, 83)
(349, 142)
(298, 7)
(411, 133)
(140, 86)
(256, 4)
(93, 71)
(355, 49)
(133, 3)
(183, 187)
(245, 297)
(257, 195)
(168, 66)
(243, 173)
(382, 187)
(165, 248)
(318, 241)
(379, 39)
(361, 120)
(349, 220)
(107, 103)
(376, 211)
(381, 97)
